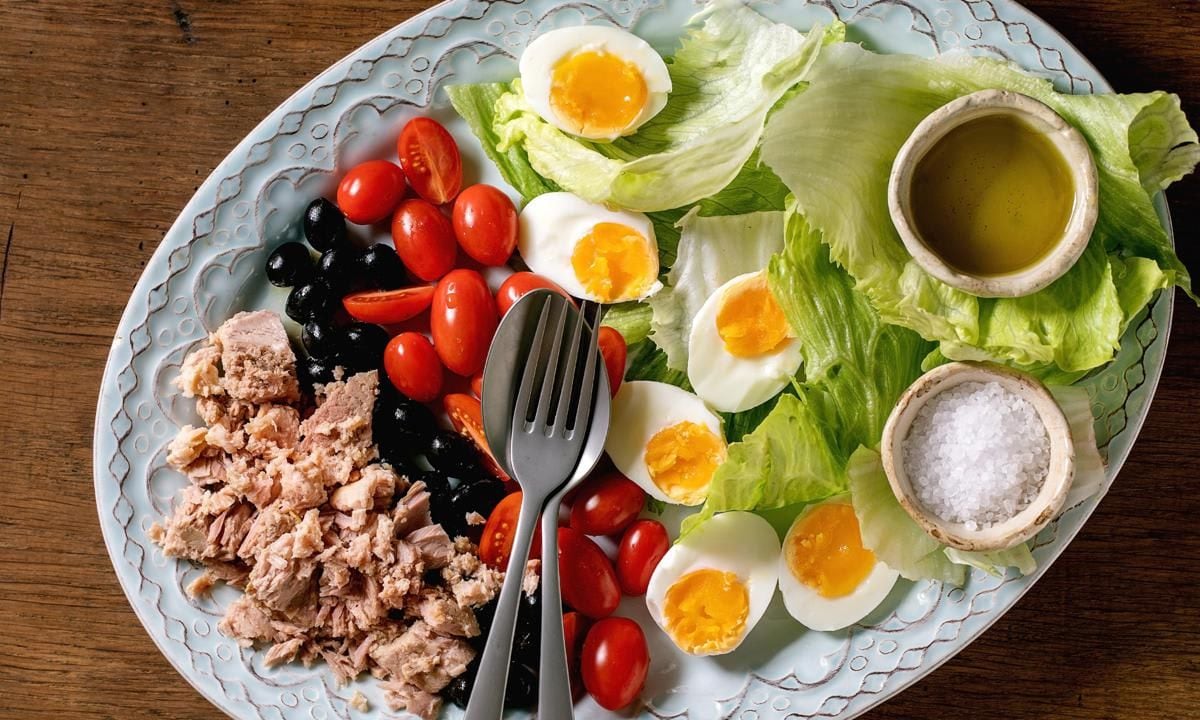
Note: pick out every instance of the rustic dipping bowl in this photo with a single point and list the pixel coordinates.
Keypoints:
(1024, 524)
(1075, 151)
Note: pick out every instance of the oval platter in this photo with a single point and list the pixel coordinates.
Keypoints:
(209, 267)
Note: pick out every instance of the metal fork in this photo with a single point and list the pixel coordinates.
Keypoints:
(550, 423)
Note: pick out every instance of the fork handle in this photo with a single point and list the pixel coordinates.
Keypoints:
(487, 699)
(554, 683)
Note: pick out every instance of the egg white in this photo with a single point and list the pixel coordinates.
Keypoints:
(725, 381)
(817, 612)
(640, 410)
(537, 68)
(738, 542)
(552, 223)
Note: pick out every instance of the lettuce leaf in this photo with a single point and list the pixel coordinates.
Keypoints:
(1089, 479)
(996, 562)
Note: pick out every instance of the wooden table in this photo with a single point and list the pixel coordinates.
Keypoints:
(111, 113)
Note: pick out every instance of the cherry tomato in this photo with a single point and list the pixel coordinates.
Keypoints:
(642, 547)
(575, 628)
(424, 239)
(370, 191)
(485, 223)
(614, 352)
(430, 160)
(413, 367)
(520, 283)
(605, 504)
(589, 583)
(386, 307)
(496, 544)
(614, 662)
(477, 385)
(466, 415)
(463, 321)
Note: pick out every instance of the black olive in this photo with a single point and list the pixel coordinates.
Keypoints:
(527, 644)
(381, 267)
(310, 301)
(521, 690)
(437, 484)
(312, 371)
(480, 496)
(361, 346)
(459, 689)
(320, 339)
(289, 265)
(484, 615)
(399, 418)
(324, 225)
(338, 267)
(454, 455)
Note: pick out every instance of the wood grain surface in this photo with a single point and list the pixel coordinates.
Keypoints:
(111, 114)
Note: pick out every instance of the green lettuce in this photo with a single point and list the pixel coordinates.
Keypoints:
(833, 146)
(996, 562)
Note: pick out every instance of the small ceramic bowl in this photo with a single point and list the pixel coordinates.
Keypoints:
(1069, 141)
(1024, 524)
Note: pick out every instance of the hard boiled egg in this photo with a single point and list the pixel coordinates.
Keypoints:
(712, 587)
(591, 251)
(741, 351)
(665, 440)
(828, 579)
(599, 83)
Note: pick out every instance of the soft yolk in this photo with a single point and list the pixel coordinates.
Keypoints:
(614, 262)
(749, 319)
(682, 458)
(825, 551)
(597, 93)
(706, 610)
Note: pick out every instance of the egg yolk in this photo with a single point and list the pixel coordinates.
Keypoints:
(597, 93)
(706, 610)
(681, 460)
(614, 262)
(825, 551)
(749, 319)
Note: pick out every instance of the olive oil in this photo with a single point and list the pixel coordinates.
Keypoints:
(992, 196)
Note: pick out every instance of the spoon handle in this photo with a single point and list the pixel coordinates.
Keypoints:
(554, 684)
(487, 699)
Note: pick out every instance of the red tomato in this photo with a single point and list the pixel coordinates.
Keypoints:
(642, 547)
(485, 223)
(520, 283)
(424, 239)
(589, 583)
(615, 661)
(614, 352)
(386, 307)
(605, 504)
(413, 366)
(430, 160)
(463, 321)
(574, 630)
(466, 415)
(496, 544)
(370, 191)
(477, 385)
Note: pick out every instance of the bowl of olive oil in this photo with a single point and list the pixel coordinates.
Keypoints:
(994, 194)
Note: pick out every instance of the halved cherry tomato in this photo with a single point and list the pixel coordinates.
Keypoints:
(424, 239)
(463, 321)
(477, 385)
(614, 351)
(575, 628)
(496, 544)
(386, 307)
(370, 191)
(589, 583)
(605, 504)
(485, 223)
(518, 284)
(430, 160)
(615, 662)
(642, 547)
(412, 365)
(466, 415)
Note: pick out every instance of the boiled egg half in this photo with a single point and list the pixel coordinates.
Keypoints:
(665, 440)
(598, 83)
(828, 579)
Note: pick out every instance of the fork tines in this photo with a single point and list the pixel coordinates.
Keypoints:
(564, 392)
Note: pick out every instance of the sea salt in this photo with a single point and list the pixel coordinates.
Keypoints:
(977, 454)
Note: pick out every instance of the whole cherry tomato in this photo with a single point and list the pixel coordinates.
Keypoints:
(605, 504)
(589, 583)
(642, 547)
(463, 321)
(614, 352)
(370, 191)
(496, 544)
(424, 239)
(615, 662)
(412, 365)
(485, 223)
(430, 160)
(466, 415)
(385, 307)
(520, 283)
(575, 628)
